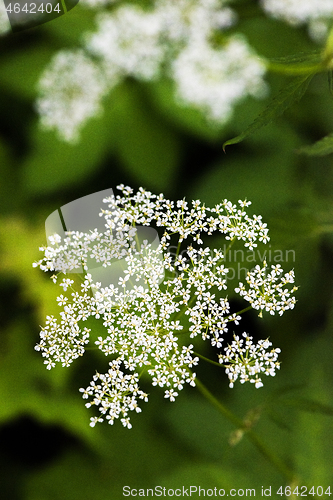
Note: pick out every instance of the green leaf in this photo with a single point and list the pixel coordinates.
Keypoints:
(289, 94)
(73, 26)
(148, 150)
(281, 422)
(162, 95)
(97, 329)
(309, 405)
(54, 164)
(303, 63)
(262, 33)
(223, 477)
(8, 192)
(21, 71)
(322, 147)
(330, 81)
(313, 429)
(74, 475)
(241, 176)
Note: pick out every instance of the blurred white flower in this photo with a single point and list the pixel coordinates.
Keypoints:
(187, 21)
(70, 92)
(215, 80)
(96, 4)
(127, 42)
(170, 39)
(298, 12)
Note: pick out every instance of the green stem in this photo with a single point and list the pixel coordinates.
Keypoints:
(328, 52)
(178, 249)
(252, 436)
(295, 69)
(208, 360)
(184, 308)
(325, 228)
(64, 6)
(242, 311)
(229, 246)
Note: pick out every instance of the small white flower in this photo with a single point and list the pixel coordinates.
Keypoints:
(66, 282)
(62, 300)
(55, 239)
(171, 395)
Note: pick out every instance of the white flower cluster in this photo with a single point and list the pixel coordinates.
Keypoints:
(269, 291)
(70, 92)
(95, 4)
(296, 12)
(316, 13)
(171, 39)
(215, 80)
(127, 42)
(246, 360)
(115, 395)
(65, 342)
(160, 301)
(79, 248)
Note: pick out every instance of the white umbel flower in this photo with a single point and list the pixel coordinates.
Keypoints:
(161, 301)
(70, 92)
(115, 394)
(269, 291)
(247, 361)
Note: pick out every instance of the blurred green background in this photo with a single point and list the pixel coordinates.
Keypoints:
(47, 449)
